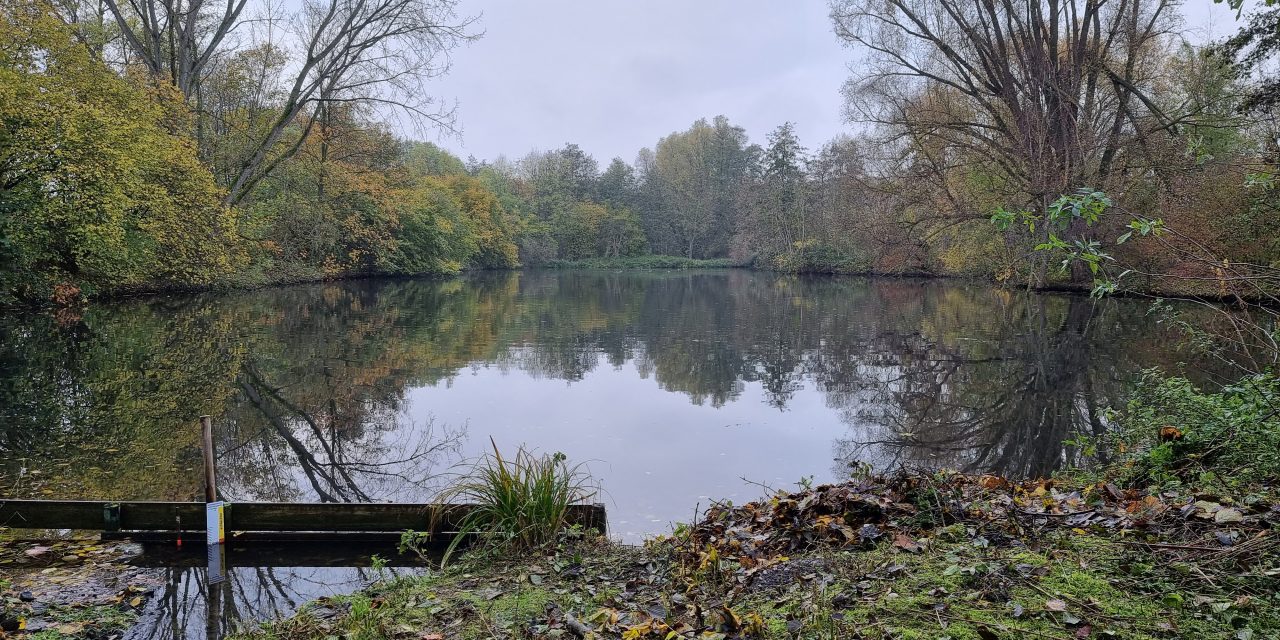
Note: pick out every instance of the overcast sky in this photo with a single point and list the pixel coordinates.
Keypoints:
(616, 75)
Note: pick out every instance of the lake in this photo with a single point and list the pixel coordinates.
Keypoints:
(673, 388)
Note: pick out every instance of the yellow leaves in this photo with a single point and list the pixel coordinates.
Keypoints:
(134, 205)
(710, 558)
(638, 631)
(604, 617)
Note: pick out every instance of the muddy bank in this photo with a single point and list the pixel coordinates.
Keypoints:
(81, 588)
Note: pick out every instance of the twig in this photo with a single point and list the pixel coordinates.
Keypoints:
(578, 629)
(1054, 515)
(1159, 545)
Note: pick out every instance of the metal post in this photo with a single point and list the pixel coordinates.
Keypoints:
(210, 474)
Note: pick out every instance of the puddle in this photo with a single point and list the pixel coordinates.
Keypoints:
(188, 593)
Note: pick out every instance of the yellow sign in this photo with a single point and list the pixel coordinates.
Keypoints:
(215, 523)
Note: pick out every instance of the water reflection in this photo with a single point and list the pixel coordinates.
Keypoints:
(675, 385)
(188, 607)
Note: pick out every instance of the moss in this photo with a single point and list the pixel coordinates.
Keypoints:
(85, 621)
(960, 591)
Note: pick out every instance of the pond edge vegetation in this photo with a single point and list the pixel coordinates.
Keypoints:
(1176, 535)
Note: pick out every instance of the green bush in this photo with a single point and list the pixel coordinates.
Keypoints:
(644, 262)
(1229, 438)
(812, 257)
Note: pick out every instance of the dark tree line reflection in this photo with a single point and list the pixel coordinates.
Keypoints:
(309, 384)
(187, 607)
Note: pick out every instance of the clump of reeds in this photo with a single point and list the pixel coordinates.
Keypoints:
(521, 502)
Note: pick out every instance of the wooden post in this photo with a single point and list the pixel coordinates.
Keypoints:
(210, 473)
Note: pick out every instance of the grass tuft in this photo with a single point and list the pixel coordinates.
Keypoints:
(522, 501)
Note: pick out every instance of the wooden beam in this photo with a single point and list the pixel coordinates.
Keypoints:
(210, 469)
(254, 516)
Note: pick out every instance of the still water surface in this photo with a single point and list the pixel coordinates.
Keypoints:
(674, 388)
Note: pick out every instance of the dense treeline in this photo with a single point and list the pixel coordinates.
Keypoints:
(164, 144)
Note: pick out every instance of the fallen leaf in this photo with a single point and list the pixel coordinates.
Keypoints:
(904, 542)
(1055, 605)
(1228, 515)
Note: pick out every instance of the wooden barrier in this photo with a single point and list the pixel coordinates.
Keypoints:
(253, 516)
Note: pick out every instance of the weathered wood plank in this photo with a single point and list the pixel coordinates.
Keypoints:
(254, 516)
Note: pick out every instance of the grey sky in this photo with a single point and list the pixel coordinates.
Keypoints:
(615, 76)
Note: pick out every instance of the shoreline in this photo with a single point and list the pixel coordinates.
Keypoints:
(909, 556)
(143, 292)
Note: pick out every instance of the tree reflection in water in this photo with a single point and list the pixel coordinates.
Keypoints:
(1004, 403)
(346, 450)
(180, 611)
(310, 385)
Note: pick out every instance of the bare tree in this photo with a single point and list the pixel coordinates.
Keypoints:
(177, 38)
(366, 52)
(359, 53)
(1045, 96)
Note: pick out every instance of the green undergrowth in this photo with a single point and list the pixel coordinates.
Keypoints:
(1174, 435)
(1066, 586)
(644, 262)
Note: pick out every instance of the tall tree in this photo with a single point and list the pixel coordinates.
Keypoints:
(176, 38)
(559, 178)
(617, 185)
(784, 184)
(1256, 45)
(697, 173)
(95, 189)
(1038, 97)
(375, 53)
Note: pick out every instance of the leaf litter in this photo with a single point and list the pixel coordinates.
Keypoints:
(901, 556)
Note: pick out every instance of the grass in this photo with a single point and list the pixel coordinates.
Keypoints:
(644, 262)
(86, 621)
(1067, 587)
(474, 598)
(522, 502)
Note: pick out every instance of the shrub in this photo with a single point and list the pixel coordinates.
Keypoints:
(813, 257)
(644, 262)
(1229, 438)
(521, 503)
